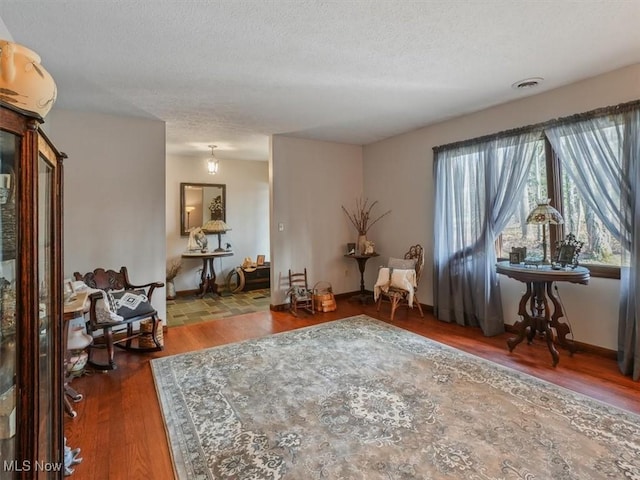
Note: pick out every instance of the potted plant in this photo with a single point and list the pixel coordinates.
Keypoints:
(172, 272)
(361, 218)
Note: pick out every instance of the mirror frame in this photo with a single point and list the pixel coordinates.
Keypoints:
(184, 232)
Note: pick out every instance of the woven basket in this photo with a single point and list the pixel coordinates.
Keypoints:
(323, 298)
(146, 340)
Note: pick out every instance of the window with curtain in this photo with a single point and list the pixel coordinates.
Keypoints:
(478, 187)
(601, 252)
(588, 165)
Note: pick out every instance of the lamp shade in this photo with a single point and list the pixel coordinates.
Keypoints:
(544, 213)
(215, 226)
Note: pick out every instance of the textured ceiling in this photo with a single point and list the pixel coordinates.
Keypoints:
(233, 72)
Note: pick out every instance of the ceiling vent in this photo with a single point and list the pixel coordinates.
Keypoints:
(527, 83)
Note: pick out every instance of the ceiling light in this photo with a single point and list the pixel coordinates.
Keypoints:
(213, 164)
(528, 83)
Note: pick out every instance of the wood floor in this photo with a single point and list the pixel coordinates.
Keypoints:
(120, 430)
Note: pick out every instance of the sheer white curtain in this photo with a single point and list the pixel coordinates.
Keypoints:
(478, 187)
(602, 157)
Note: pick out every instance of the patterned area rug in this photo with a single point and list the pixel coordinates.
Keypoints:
(361, 399)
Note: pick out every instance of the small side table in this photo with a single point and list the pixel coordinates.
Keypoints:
(537, 315)
(208, 276)
(363, 297)
(72, 309)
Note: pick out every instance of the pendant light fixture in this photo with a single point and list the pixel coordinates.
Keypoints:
(213, 163)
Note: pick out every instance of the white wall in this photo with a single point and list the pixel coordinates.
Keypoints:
(398, 172)
(114, 194)
(310, 181)
(247, 213)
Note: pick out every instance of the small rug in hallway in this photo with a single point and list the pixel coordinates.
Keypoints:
(361, 399)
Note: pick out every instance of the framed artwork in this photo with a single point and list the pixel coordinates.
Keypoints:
(351, 248)
(567, 251)
(260, 260)
(518, 254)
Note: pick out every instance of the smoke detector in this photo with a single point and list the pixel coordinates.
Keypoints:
(527, 83)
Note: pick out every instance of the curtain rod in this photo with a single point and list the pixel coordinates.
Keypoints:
(599, 112)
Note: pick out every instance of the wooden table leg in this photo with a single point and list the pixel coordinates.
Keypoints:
(538, 320)
(208, 278)
(561, 328)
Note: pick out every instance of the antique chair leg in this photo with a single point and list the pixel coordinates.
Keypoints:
(129, 335)
(155, 324)
(108, 336)
(108, 344)
(394, 305)
(417, 302)
(154, 332)
(379, 303)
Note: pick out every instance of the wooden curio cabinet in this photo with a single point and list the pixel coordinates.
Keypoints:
(31, 428)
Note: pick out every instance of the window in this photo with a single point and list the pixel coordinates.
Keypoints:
(547, 179)
(518, 233)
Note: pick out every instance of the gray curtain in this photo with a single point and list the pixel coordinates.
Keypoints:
(602, 156)
(477, 189)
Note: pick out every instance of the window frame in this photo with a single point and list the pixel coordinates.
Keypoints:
(556, 232)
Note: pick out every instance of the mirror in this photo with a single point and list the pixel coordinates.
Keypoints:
(199, 203)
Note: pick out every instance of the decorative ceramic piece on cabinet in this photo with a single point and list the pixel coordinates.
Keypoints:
(24, 83)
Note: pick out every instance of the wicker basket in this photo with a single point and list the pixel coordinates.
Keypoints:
(323, 298)
(145, 340)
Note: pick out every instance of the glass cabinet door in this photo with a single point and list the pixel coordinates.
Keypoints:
(47, 364)
(9, 151)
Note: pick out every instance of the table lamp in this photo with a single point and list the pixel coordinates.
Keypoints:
(218, 227)
(544, 214)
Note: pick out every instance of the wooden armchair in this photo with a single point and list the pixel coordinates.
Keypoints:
(299, 293)
(116, 308)
(401, 288)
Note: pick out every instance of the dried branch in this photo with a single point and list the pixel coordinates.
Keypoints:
(361, 217)
(173, 269)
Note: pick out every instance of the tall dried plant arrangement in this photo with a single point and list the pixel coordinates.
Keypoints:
(173, 269)
(361, 217)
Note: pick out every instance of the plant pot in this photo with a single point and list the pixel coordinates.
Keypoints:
(362, 244)
(171, 290)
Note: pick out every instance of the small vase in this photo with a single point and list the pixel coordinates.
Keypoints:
(171, 290)
(362, 244)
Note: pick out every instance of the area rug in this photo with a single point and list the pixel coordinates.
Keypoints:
(361, 399)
